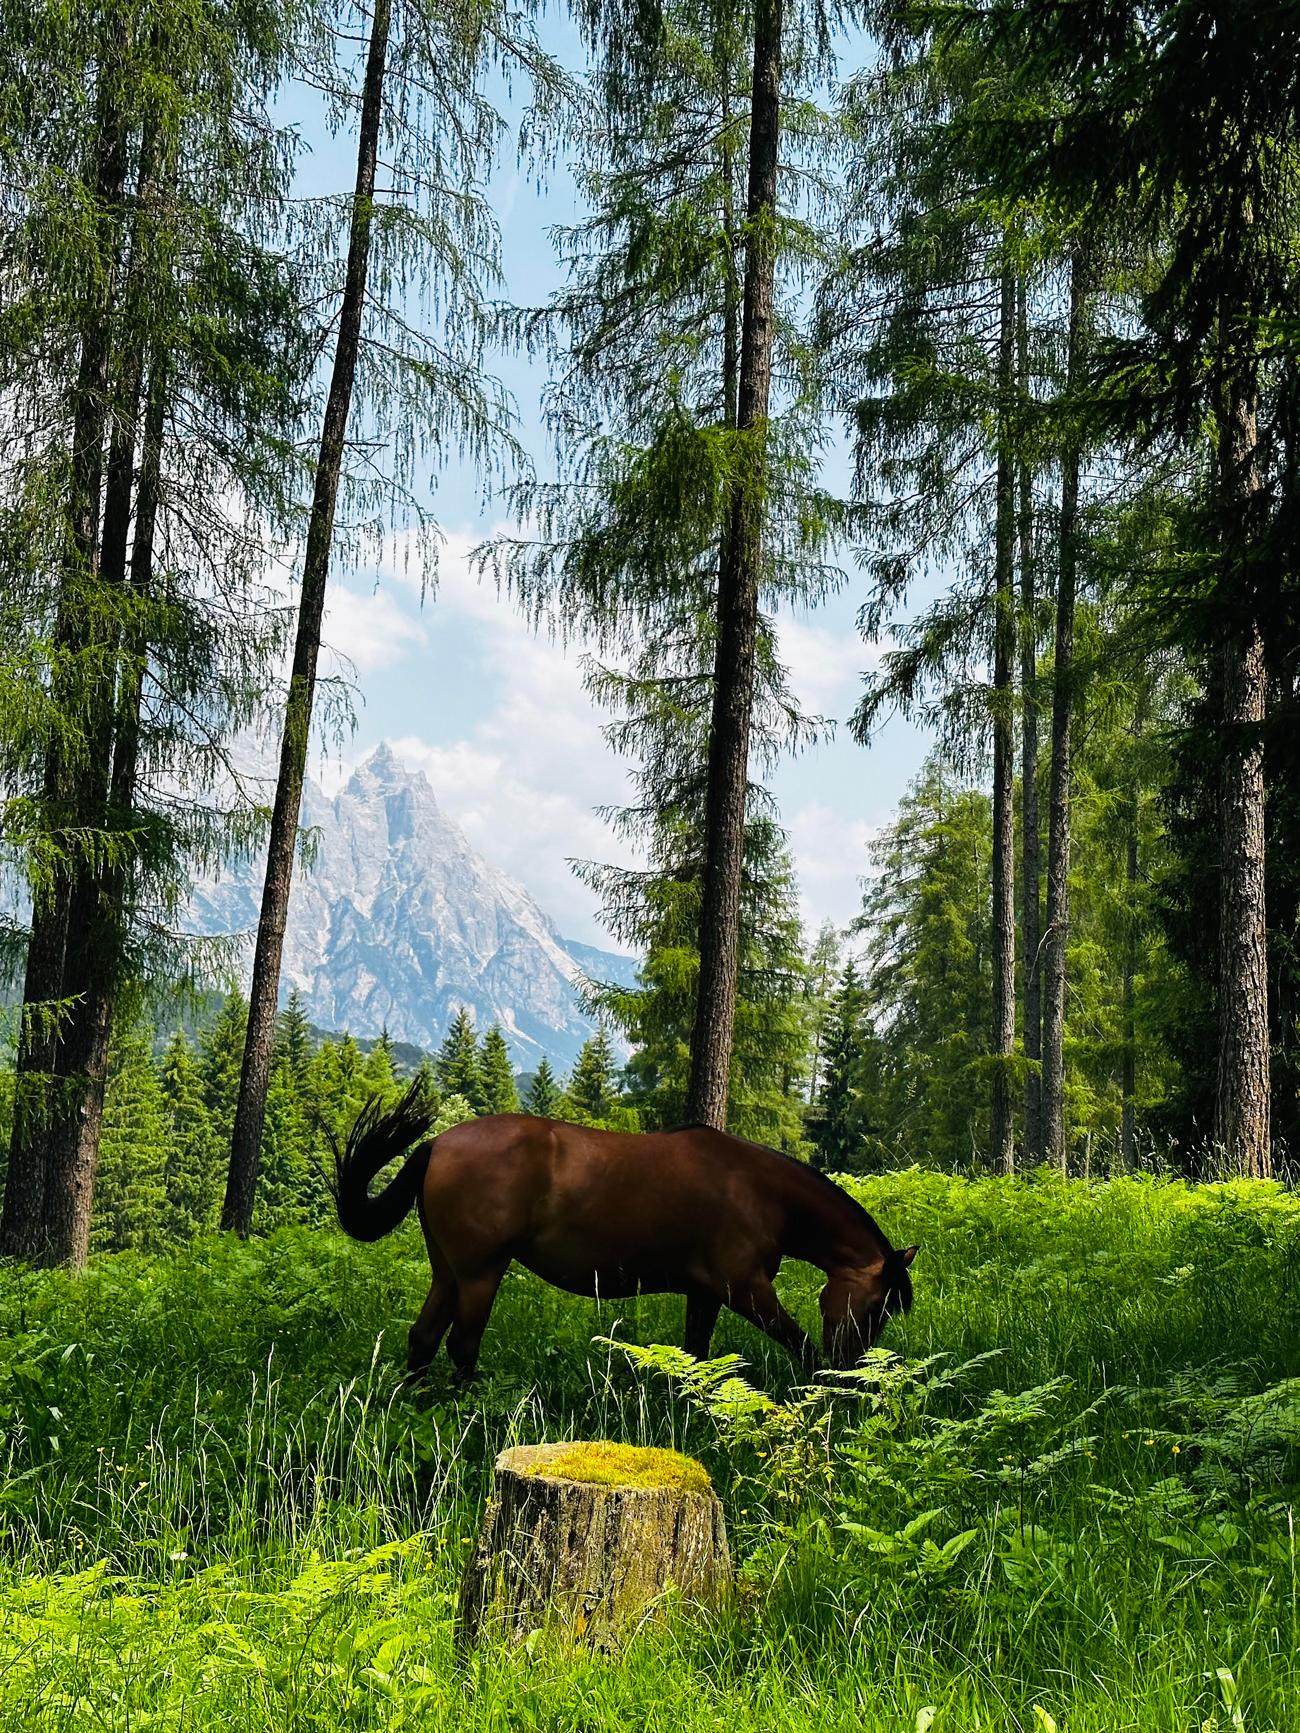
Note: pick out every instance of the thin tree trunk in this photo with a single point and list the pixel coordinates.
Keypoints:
(1058, 820)
(1001, 1127)
(37, 1091)
(738, 581)
(1242, 1101)
(250, 1112)
(731, 291)
(1128, 1073)
(1132, 862)
(1030, 852)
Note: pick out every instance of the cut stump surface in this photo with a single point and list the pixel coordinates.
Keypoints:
(588, 1539)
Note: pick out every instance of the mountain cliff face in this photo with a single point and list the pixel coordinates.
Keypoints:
(398, 921)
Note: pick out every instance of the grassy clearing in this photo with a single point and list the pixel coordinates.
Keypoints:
(1070, 1503)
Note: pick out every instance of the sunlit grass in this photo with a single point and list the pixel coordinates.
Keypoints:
(222, 1507)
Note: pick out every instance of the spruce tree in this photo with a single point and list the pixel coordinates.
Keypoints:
(823, 971)
(497, 1074)
(457, 1066)
(131, 1203)
(194, 1149)
(151, 357)
(377, 1075)
(591, 1094)
(545, 1095)
(220, 1048)
(293, 1042)
(840, 1122)
(292, 1189)
(940, 321)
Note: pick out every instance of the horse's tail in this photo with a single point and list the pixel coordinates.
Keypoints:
(376, 1139)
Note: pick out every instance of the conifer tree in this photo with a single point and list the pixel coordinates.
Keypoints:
(422, 98)
(293, 1042)
(840, 1124)
(928, 321)
(292, 1189)
(591, 1095)
(497, 1074)
(377, 1075)
(194, 1150)
(457, 1066)
(220, 1048)
(151, 347)
(679, 508)
(1140, 123)
(823, 972)
(545, 1095)
(131, 1204)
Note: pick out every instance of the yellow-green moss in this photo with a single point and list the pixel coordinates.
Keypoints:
(607, 1464)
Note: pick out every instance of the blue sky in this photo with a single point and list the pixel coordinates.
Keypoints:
(496, 716)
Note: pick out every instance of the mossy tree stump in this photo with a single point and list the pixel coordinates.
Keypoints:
(585, 1539)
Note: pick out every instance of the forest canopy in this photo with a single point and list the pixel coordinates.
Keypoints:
(1034, 266)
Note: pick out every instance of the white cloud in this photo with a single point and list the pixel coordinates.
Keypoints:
(367, 633)
(825, 667)
(525, 775)
(830, 852)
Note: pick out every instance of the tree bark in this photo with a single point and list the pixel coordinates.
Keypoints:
(101, 901)
(1128, 1074)
(738, 584)
(1001, 1128)
(1242, 1100)
(38, 1092)
(98, 916)
(1058, 819)
(250, 1112)
(586, 1561)
(1030, 852)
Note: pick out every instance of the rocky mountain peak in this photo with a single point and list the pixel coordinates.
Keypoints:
(398, 921)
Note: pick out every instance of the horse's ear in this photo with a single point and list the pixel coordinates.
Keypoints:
(905, 1257)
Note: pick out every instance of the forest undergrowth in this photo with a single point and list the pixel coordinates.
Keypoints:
(1061, 1496)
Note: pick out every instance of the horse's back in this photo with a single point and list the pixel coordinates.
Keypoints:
(581, 1205)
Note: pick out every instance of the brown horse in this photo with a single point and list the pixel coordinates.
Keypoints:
(612, 1214)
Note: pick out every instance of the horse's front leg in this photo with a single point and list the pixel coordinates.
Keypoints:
(758, 1301)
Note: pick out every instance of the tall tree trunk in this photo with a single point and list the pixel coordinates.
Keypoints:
(37, 1093)
(1030, 852)
(98, 915)
(1058, 819)
(1284, 913)
(250, 1112)
(1242, 1103)
(1128, 1072)
(738, 581)
(731, 289)
(1001, 1127)
(101, 900)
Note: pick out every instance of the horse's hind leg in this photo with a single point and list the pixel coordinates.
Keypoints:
(430, 1327)
(702, 1310)
(474, 1299)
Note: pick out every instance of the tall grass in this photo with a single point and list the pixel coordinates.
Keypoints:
(1064, 1498)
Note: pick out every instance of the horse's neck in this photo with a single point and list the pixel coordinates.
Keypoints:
(826, 1228)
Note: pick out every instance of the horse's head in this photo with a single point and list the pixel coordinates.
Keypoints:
(856, 1304)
